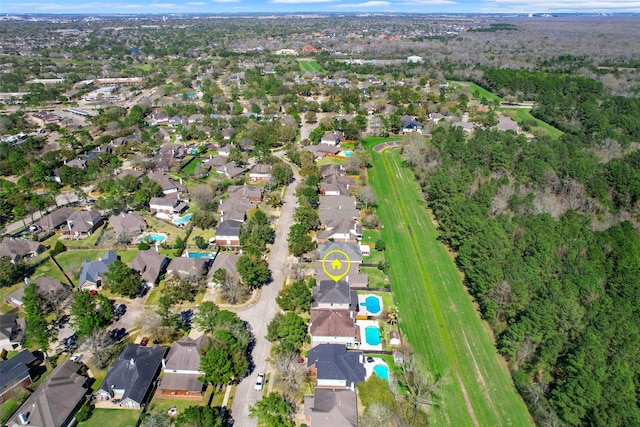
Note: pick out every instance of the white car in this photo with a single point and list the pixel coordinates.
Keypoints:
(260, 382)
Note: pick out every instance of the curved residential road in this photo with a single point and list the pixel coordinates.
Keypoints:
(260, 314)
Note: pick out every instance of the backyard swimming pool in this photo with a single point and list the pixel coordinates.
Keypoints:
(382, 371)
(372, 335)
(202, 255)
(154, 237)
(372, 303)
(183, 220)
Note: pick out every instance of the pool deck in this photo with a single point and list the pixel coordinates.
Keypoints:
(363, 324)
(369, 366)
(363, 308)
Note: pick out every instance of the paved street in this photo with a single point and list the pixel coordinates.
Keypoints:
(259, 315)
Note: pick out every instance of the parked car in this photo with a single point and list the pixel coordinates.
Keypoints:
(76, 357)
(118, 311)
(260, 382)
(145, 341)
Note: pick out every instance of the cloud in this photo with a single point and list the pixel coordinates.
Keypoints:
(558, 6)
(367, 4)
(300, 1)
(196, 3)
(225, 1)
(428, 2)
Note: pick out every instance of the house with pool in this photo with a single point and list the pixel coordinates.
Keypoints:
(333, 366)
(334, 327)
(169, 205)
(149, 265)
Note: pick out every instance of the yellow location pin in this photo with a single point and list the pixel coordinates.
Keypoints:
(337, 266)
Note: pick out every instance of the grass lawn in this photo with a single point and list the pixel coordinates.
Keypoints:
(190, 168)
(370, 236)
(525, 114)
(375, 257)
(48, 268)
(482, 92)
(8, 408)
(311, 66)
(206, 235)
(4, 307)
(163, 405)
(437, 315)
(377, 278)
(71, 260)
(330, 161)
(112, 417)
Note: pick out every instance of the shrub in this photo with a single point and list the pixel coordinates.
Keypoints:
(380, 245)
(143, 246)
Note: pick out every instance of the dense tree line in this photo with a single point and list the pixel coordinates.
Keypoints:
(561, 296)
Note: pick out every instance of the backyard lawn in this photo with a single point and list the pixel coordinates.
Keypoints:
(112, 417)
(71, 260)
(48, 268)
(525, 114)
(377, 278)
(437, 315)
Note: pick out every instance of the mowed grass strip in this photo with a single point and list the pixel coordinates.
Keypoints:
(311, 66)
(437, 315)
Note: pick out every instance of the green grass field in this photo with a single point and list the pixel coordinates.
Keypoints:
(437, 315)
(112, 417)
(525, 114)
(482, 92)
(311, 66)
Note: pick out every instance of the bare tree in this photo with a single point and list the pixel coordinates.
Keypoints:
(367, 197)
(422, 386)
(203, 195)
(232, 291)
(289, 374)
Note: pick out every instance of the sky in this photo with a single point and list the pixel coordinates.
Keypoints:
(335, 6)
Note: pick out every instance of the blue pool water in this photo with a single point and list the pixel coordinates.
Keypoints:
(185, 219)
(347, 153)
(202, 255)
(193, 151)
(373, 304)
(154, 237)
(382, 371)
(372, 335)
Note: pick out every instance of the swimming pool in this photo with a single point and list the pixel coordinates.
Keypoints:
(202, 255)
(372, 335)
(154, 237)
(185, 219)
(382, 371)
(372, 303)
(347, 153)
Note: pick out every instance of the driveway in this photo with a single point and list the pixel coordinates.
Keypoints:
(260, 314)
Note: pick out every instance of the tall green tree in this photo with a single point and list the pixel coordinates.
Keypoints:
(272, 411)
(122, 280)
(89, 312)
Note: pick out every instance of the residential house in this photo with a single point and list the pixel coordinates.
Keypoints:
(182, 369)
(322, 150)
(329, 217)
(159, 118)
(169, 155)
(351, 249)
(231, 170)
(129, 382)
(226, 135)
(15, 374)
(333, 185)
(335, 367)
(249, 192)
(93, 273)
(127, 224)
(334, 327)
(149, 265)
(340, 230)
(56, 401)
(228, 234)
(176, 120)
(234, 209)
(195, 118)
(507, 123)
(83, 223)
(436, 117)
(188, 268)
(12, 330)
(225, 151)
(260, 172)
(329, 407)
(47, 289)
(215, 162)
(168, 185)
(55, 219)
(329, 294)
(130, 172)
(332, 138)
(410, 124)
(43, 118)
(19, 249)
(332, 169)
(167, 205)
(467, 127)
(226, 261)
(337, 202)
(355, 278)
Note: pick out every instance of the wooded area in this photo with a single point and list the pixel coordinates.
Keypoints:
(546, 234)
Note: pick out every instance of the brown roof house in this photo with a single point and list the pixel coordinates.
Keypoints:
(334, 327)
(18, 249)
(182, 369)
(249, 192)
(188, 268)
(150, 265)
(129, 382)
(228, 234)
(83, 223)
(56, 401)
(260, 172)
(229, 263)
(234, 209)
(169, 205)
(127, 224)
(50, 293)
(328, 407)
(55, 219)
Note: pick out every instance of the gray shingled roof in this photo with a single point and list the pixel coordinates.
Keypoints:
(336, 408)
(185, 355)
(331, 292)
(56, 218)
(15, 369)
(334, 362)
(127, 224)
(229, 228)
(351, 249)
(150, 263)
(134, 371)
(92, 271)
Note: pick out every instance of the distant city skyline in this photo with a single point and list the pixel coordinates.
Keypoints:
(306, 6)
